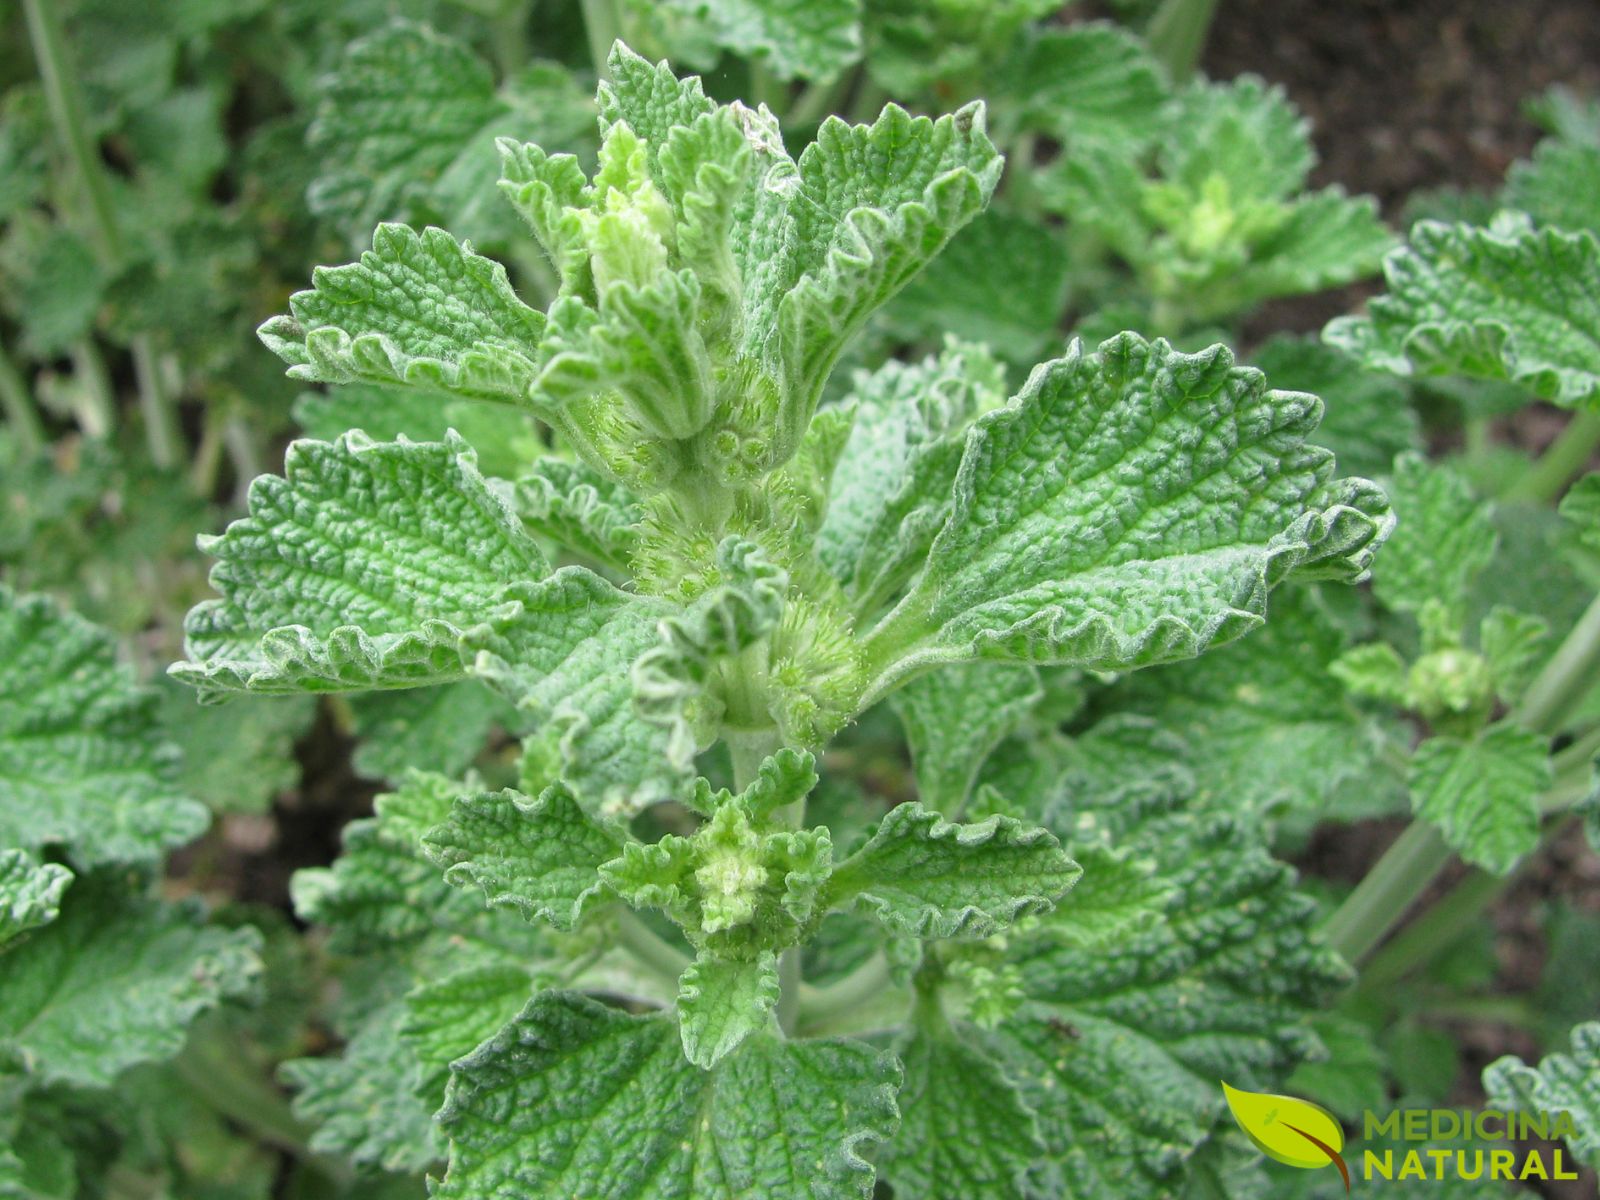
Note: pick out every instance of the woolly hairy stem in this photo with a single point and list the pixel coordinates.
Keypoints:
(1548, 477)
(17, 401)
(649, 950)
(1177, 35)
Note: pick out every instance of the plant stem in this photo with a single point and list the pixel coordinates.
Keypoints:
(1566, 678)
(1564, 458)
(1177, 35)
(1404, 872)
(651, 951)
(819, 99)
(96, 410)
(866, 983)
(17, 402)
(600, 23)
(510, 28)
(67, 111)
(766, 88)
(240, 441)
(225, 1080)
(162, 436)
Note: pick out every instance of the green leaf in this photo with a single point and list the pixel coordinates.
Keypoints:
(1002, 281)
(439, 728)
(1560, 186)
(1581, 508)
(504, 437)
(869, 207)
(30, 894)
(965, 1130)
(356, 570)
(795, 39)
(236, 757)
(1119, 1048)
(541, 856)
(537, 1112)
(580, 510)
(931, 878)
(1561, 1083)
(405, 129)
(916, 49)
(891, 487)
(722, 1001)
(115, 981)
(363, 1104)
(1442, 540)
(1084, 82)
(953, 719)
(450, 1017)
(418, 309)
(1508, 302)
(1483, 794)
(1367, 418)
(1266, 722)
(382, 894)
(1513, 645)
(1375, 670)
(1129, 507)
(83, 763)
(562, 649)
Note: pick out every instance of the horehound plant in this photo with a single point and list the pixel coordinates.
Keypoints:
(718, 561)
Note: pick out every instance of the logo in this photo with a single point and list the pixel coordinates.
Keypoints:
(1291, 1131)
(1409, 1144)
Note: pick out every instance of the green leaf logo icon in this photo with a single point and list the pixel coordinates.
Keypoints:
(1288, 1129)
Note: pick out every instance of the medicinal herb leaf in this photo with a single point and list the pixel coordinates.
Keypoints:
(928, 877)
(83, 763)
(1131, 506)
(1508, 302)
(722, 1001)
(419, 309)
(356, 570)
(954, 718)
(115, 980)
(30, 894)
(540, 857)
(1561, 1083)
(1483, 794)
(576, 1098)
(965, 1129)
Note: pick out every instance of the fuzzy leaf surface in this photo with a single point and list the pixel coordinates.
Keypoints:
(30, 893)
(1131, 506)
(1119, 1049)
(356, 570)
(405, 128)
(419, 309)
(965, 1133)
(574, 1098)
(931, 878)
(1508, 302)
(1442, 539)
(540, 856)
(954, 718)
(722, 1001)
(1483, 794)
(114, 981)
(83, 762)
